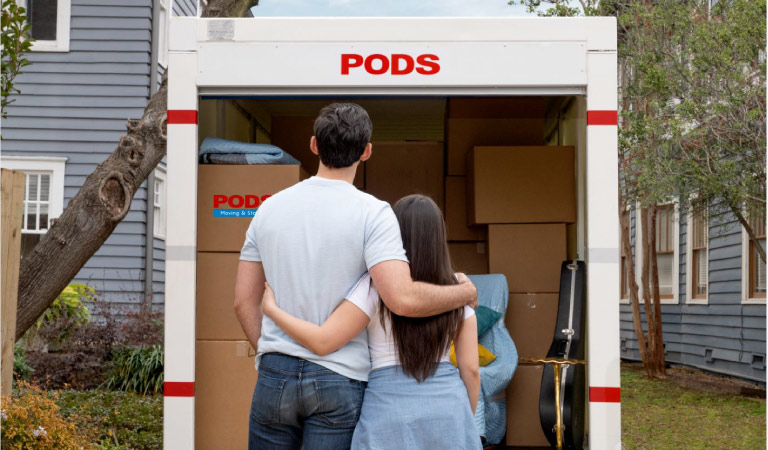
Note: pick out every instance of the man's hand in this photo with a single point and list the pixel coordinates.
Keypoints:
(468, 284)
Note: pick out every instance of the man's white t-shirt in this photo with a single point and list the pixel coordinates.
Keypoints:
(380, 341)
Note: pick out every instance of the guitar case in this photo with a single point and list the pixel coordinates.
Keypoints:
(568, 343)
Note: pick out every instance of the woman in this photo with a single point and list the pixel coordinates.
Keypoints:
(414, 398)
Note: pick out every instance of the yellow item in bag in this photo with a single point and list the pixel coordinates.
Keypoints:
(486, 357)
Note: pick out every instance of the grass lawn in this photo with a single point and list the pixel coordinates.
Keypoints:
(125, 420)
(669, 414)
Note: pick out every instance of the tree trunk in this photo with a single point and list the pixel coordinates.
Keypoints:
(748, 228)
(102, 202)
(633, 288)
(647, 292)
(659, 364)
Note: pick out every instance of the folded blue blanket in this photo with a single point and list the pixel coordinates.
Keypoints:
(223, 151)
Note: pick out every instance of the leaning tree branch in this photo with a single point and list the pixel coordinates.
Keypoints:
(102, 202)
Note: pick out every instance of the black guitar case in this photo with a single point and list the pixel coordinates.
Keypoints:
(568, 343)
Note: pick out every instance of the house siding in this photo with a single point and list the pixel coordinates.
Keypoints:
(724, 335)
(75, 104)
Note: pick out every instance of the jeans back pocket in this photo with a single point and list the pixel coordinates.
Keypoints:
(265, 405)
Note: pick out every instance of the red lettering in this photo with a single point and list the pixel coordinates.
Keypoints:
(409, 64)
(218, 200)
(429, 64)
(236, 201)
(349, 60)
(251, 201)
(381, 70)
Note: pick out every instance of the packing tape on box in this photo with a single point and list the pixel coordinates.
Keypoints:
(603, 255)
(180, 253)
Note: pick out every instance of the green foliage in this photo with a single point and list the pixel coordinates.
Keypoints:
(16, 41)
(138, 369)
(71, 304)
(21, 370)
(693, 102)
(559, 8)
(124, 420)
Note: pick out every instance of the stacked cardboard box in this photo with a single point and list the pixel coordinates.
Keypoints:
(525, 195)
(225, 376)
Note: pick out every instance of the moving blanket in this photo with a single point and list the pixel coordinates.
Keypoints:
(491, 417)
(223, 151)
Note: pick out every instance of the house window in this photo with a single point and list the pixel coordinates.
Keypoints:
(665, 249)
(43, 195)
(699, 238)
(756, 263)
(158, 202)
(162, 33)
(49, 21)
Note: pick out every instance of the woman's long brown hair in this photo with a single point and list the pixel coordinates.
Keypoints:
(421, 342)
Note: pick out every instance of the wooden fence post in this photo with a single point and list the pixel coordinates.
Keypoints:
(11, 206)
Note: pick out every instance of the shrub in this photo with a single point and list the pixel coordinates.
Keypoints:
(21, 369)
(138, 369)
(32, 419)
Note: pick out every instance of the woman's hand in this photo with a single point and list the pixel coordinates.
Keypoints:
(268, 302)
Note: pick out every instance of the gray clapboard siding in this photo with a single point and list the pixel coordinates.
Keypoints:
(184, 7)
(723, 336)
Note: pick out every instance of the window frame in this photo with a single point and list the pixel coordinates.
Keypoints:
(162, 32)
(161, 176)
(36, 164)
(63, 25)
(747, 272)
(675, 251)
(689, 263)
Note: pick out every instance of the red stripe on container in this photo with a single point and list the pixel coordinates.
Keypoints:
(182, 116)
(179, 389)
(604, 394)
(602, 118)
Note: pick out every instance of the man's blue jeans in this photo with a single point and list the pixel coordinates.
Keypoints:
(298, 402)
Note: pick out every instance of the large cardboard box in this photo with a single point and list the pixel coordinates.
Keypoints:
(464, 134)
(228, 196)
(530, 320)
(397, 169)
(224, 381)
(456, 213)
(529, 255)
(522, 185)
(469, 257)
(292, 134)
(523, 423)
(216, 318)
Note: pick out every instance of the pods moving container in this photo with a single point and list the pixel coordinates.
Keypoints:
(455, 102)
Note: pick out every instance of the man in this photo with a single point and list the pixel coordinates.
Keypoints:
(312, 242)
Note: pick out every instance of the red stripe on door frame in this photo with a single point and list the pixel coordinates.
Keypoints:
(182, 116)
(602, 118)
(179, 389)
(604, 394)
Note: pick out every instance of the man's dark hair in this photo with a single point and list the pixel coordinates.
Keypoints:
(342, 131)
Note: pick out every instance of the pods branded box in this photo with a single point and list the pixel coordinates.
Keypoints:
(216, 296)
(229, 195)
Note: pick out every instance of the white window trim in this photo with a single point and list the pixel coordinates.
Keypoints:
(675, 258)
(689, 263)
(745, 262)
(160, 174)
(162, 56)
(53, 164)
(63, 20)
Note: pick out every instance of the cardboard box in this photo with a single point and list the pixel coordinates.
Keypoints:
(216, 319)
(227, 197)
(224, 381)
(397, 169)
(522, 185)
(456, 213)
(292, 134)
(523, 423)
(531, 320)
(469, 257)
(529, 255)
(464, 134)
